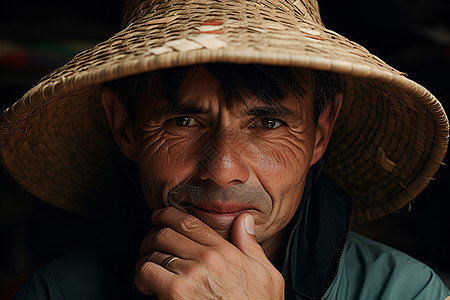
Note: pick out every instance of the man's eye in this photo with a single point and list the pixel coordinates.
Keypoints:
(185, 121)
(268, 123)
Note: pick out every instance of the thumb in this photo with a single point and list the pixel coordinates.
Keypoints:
(243, 236)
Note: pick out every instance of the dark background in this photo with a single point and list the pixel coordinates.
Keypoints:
(38, 36)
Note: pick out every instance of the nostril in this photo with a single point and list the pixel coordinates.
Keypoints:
(223, 171)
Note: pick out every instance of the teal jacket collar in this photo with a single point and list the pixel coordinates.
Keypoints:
(317, 238)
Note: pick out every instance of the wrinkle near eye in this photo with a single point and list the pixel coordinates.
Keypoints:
(298, 130)
(284, 151)
(159, 141)
(151, 143)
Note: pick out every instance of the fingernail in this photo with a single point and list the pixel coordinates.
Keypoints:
(156, 212)
(249, 224)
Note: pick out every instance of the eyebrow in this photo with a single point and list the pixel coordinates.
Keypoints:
(178, 110)
(271, 111)
(278, 111)
(187, 110)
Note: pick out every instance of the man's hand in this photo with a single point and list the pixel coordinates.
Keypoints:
(209, 267)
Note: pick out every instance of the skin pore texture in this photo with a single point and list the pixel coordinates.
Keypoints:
(219, 164)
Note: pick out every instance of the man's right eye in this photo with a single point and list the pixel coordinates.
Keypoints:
(186, 121)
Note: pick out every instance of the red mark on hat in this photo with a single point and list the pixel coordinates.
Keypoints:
(213, 22)
(213, 31)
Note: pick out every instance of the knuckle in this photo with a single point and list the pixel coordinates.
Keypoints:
(162, 213)
(162, 235)
(189, 223)
(211, 257)
(191, 270)
(176, 290)
(168, 212)
(144, 270)
(142, 276)
(153, 256)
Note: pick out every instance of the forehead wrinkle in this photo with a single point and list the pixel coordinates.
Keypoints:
(196, 95)
(200, 89)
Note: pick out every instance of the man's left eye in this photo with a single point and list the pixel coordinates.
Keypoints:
(268, 123)
(185, 121)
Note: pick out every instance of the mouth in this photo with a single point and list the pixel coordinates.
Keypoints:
(219, 216)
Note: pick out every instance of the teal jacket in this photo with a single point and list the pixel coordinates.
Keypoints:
(368, 270)
(322, 260)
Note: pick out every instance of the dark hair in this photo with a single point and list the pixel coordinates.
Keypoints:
(270, 84)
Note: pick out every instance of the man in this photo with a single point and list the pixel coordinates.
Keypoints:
(227, 125)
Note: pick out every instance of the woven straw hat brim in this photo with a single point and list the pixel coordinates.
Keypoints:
(388, 142)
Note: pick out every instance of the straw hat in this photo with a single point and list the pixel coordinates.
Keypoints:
(388, 142)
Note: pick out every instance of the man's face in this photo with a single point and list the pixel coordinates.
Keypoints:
(216, 162)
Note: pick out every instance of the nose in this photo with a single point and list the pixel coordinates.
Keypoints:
(221, 161)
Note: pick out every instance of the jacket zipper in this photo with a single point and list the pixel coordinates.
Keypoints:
(338, 263)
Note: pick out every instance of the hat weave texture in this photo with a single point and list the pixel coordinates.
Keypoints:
(388, 142)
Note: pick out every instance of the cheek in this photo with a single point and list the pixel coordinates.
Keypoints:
(281, 167)
(282, 158)
(164, 161)
(158, 150)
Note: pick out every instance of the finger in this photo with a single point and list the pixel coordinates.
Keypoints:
(175, 265)
(186, 224)
(170, 241)
(243, 236)
(151, 278)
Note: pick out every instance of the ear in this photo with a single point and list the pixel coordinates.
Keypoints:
(121, 128)
(324, 128)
